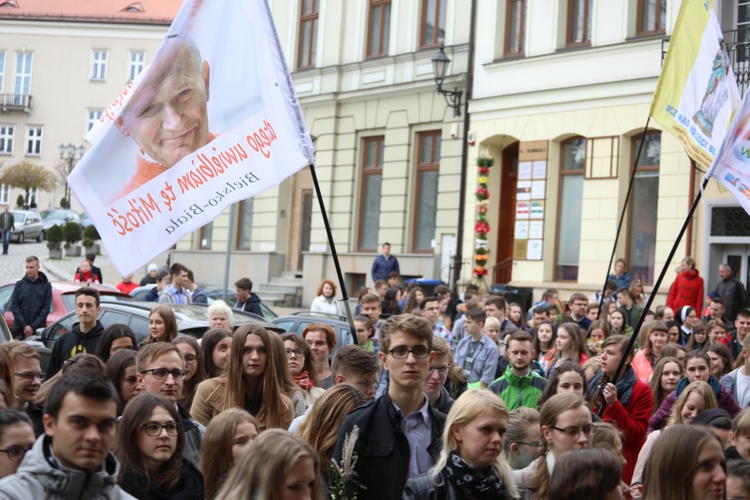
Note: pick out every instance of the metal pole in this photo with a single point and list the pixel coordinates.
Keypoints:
(229, 250)
(464, 156)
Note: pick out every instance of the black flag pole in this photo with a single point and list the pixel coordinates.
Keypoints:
(622, 216)
(345, 297)
(651, 297)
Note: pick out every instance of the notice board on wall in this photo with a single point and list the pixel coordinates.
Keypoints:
(531, 194)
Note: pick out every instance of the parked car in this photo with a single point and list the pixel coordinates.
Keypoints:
(297, 322)
(63, 298)
(27, 225)
(59, 218)
(191, 321)
(213, 295)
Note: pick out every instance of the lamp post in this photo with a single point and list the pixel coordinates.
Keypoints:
(70, 155)
(440, 64)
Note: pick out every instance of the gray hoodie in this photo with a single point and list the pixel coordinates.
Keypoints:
(42, 476)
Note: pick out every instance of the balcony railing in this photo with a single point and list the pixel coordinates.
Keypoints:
(15, 102)
(737, 43)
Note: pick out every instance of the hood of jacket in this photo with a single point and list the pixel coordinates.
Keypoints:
(42, 464)
(690, 275)
(94, 333)
(253, 298)
(684, 382)
(516, 380)
(41, 279)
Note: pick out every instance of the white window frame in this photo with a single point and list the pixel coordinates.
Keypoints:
(99, 59)
(22, 80)
(136, 63)
(3, 56)
(34, 135)
(92, 116)
(4, 194)
(9, 138)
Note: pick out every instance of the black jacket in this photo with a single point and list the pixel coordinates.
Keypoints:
(72, 343)
(382, 448)
(190, 486)
(251, 305)
(30, 303)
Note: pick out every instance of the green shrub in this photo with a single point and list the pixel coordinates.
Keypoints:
(20, 201)
(54, 237)
(64, 203)
(90, 233)
(72, 233)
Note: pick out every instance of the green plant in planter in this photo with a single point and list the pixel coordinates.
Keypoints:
(54, 237)
(64, 203)
(71, 233)
(91, 233)
(19, 201)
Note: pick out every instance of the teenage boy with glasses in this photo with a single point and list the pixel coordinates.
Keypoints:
(434, 388)
(399, 433)
(160, 369)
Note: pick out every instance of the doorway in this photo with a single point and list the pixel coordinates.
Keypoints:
(738, 258)
(507, 214)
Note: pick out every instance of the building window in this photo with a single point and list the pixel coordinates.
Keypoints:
(569, 210)
(652, 16)
(514, 23)
(99, 65)
(4, 194)
(136, 64)
(379, 28)
(579, 22)
(33, 141)
(206, 234)
(372, 179)
(245, 225)
(22, 83)
(92, 116)
(2, 70)
(6, 139)
(644, 207)
(428, 166)
(308, 34)
(433, 23)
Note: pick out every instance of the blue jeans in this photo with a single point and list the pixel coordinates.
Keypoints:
(6, 240)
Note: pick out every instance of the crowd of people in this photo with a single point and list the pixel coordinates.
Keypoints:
(447, 397)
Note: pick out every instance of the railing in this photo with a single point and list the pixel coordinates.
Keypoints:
(15, 102)
(737, 43)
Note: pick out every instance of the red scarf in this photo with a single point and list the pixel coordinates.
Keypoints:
(303, 380)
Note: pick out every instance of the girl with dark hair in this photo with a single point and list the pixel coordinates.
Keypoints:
(190, 350)
(114, 338)
(569, 346)
(667, 372)
(416, 295)
(216, 345)
(699, 339)
(673, 332)
(365, 332)
(628, 401)
(121, 372)
(150, 444)
(653, 339)
(301, 367)
(544, 344)
(390, 302)
(721, 360)
(255, 379)
(567, 377)
(162, 325)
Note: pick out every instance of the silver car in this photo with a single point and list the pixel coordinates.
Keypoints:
(28, 226)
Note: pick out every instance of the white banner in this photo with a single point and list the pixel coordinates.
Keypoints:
(213, 120)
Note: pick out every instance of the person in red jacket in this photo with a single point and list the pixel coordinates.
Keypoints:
(687, 289)
(628, 401)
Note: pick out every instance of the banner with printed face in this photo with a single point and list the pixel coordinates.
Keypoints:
(213, 120)
(697, 93)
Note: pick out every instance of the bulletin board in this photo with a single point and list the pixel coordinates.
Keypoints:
(531, 197)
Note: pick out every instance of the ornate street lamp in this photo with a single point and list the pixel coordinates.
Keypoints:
(440, 63)
(70, 154)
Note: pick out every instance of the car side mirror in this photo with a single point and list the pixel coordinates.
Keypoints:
(40, 333)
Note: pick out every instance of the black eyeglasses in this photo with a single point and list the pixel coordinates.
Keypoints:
(439, 369)
(16, 453)
(297, 352)
(154, 428)
(575, 431)
(163, 373)
(191, 358)
(419, 352)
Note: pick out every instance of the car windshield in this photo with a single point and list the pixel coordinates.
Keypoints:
(18, 216)
(56, 215)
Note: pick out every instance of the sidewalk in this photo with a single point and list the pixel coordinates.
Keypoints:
(64, 269)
